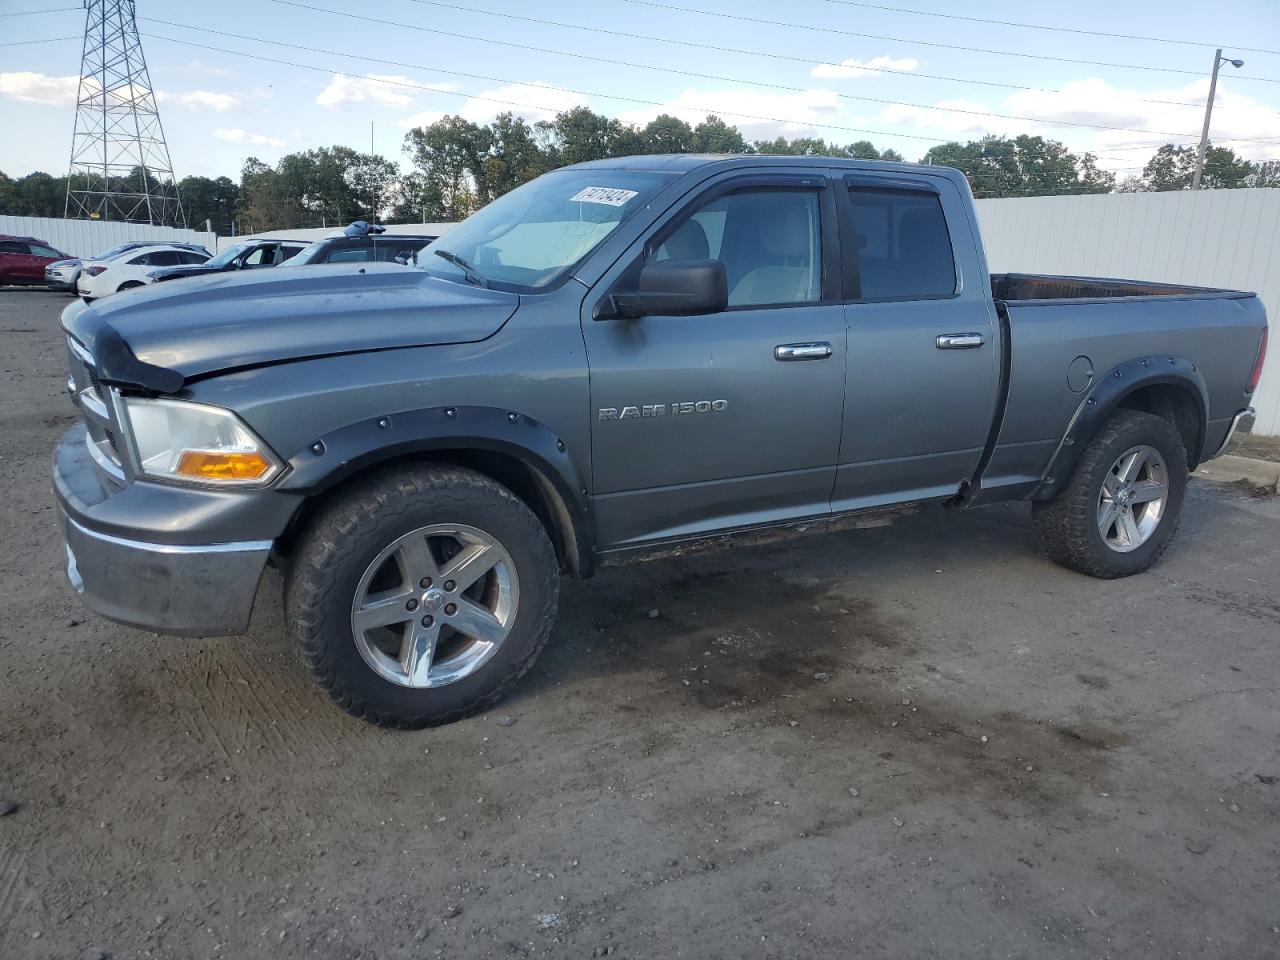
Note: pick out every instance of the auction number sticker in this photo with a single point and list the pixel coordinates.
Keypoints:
(613, 196)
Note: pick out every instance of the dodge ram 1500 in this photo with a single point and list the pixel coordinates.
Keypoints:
(614, 358)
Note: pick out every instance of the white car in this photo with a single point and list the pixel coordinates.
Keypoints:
(99, 278)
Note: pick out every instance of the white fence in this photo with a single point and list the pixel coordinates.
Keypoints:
(85, 238)
(1212, 238)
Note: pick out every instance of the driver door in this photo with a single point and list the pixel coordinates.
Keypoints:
(728, 420)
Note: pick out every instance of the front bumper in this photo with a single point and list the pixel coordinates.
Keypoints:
(1241, 427)
(170, 559)
(198, 590)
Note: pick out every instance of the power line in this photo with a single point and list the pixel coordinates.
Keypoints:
(23, 43)
(32, 13)
(508, 103)
(643, 66)
(738, 51)
(1042, 26)
(928, 43)
(398, 63)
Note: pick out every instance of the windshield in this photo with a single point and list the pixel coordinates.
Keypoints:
(529, 238)
(229, 254)
(305, 255)
(116, 251)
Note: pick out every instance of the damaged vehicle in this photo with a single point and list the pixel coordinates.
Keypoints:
(616, 358)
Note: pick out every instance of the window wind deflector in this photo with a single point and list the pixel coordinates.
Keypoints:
(880, 181)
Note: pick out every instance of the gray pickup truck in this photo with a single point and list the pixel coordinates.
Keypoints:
(618, 357)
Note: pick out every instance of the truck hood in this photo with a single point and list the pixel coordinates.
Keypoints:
(203, 325)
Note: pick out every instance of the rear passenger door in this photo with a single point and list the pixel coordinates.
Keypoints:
(731, 419)
(923, 342)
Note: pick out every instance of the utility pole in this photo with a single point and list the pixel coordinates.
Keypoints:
(1218, 61)
(120, 167)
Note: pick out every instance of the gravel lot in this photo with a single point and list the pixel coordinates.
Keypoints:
(999, 757)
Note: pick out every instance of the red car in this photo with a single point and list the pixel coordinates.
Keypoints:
(23, 259)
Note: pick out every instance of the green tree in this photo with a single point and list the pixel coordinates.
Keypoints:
(1173, 168)
(265, 201)
(1265, 174)
(713, 135)
(666, 134)
(1023, 166)
(39, 194)
(513, 156)
(204, 199)
(448, 157)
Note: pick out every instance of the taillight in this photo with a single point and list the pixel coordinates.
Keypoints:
(1257, 364)
(95, 270)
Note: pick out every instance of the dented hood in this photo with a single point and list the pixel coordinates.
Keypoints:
(202, 325)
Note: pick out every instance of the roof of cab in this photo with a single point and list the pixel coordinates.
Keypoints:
(680, 163)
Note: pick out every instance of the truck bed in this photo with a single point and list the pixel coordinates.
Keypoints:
(1012, 287)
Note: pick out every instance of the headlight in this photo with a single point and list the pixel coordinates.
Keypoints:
(178, 440)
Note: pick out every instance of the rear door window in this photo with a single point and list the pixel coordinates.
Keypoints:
(902, 244)
(12, 246)
(350, 255)
(164, 258)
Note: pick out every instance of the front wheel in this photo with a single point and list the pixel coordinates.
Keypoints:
(1121, 506)
(422, 595)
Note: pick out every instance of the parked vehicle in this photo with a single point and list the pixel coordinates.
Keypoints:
(247, 254)
(362, 242)
(615, 358)
(65, 274)
(62, 274)
(23, 259)
(100, 278)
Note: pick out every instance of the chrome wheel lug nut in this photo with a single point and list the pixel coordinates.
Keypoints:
(424, 582)
(411, 605)
(449, 586)
(450, 609)
(428, 620)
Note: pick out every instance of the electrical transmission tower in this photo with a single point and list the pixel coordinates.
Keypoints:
(120, 168)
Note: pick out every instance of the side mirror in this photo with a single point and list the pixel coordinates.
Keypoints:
(675, 288)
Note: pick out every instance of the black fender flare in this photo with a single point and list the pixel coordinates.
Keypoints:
(349, 450)
(1102, 399)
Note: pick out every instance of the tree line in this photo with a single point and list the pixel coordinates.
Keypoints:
(457, 166)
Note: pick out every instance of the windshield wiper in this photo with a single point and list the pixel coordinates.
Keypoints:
(468, 270)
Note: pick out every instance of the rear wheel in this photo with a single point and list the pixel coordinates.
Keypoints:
(1121, 506)
(128, 285)
(422, 595)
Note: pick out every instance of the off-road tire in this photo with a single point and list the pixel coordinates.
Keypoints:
(349, 532)
(1067, 525)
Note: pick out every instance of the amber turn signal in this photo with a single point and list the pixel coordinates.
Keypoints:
(222, 465)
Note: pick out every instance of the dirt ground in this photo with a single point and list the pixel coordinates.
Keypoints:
(916, 741)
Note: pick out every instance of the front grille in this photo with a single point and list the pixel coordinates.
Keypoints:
(93, 400)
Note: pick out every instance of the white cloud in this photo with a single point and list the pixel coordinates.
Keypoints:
(236, 135)
(533, 101)
(848, 69)
(423, 118)
(386, 89)
(39, 88)
(201, 100)
(758, 114)
(62, 91)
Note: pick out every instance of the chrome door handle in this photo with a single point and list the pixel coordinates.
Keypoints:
(802, 351)
(960, 341)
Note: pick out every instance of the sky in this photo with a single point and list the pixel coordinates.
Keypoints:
(887, 71)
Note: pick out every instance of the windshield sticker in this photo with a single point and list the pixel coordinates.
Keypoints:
(612, 196)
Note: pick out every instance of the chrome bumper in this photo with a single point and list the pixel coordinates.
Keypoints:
(168, 559)
(204, 590)
(1241, 427)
